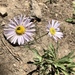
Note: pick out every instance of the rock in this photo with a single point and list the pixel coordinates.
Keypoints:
(3, 11)
(35, 9)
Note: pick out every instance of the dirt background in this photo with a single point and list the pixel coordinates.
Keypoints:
(13, 59)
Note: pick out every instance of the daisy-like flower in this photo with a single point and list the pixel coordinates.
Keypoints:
(19, 30)
(54, 30)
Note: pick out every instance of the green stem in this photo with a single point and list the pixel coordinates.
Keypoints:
(56, 51)
(41, 36)
(35, 39)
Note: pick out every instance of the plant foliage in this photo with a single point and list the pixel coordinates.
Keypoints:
(50, 64)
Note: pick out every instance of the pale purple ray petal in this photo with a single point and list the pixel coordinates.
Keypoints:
(8, 30)
(10, 36)
(27, 21)
(47, 30)
(53, 21)
(16, 20)
(24, 18)
(26, 37)
(56, 24)
(9, 25)
(49, 25)
(55, 38)
(29, 33)
(59, 34)
(31, 30)
(57, 29)
(12, 22)
(22, 39)
(14, 39)
(20, 18)
(10, 33)
(29, 37)
(11, 39)
(50, 34)
(12, 26)
(28, 24)
(19, 40)
(31, 26)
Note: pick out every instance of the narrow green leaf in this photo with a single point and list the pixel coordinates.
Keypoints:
(71, 65)
(69, 20)
(52, 50)
(37, 54)
(64, 72)
(61, 66)
(66, 59)
(57, 72)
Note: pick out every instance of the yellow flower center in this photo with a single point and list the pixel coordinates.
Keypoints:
(20, 30)
(52, 31)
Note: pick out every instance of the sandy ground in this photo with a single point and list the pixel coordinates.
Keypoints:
(13, 59)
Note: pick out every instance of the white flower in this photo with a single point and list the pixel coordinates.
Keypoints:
(19, 30)
(54, 31)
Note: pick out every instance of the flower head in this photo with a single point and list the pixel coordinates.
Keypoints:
(19, 30)
(54, 30)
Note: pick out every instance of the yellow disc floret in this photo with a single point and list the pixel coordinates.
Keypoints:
(52, 31)
(20, 30)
